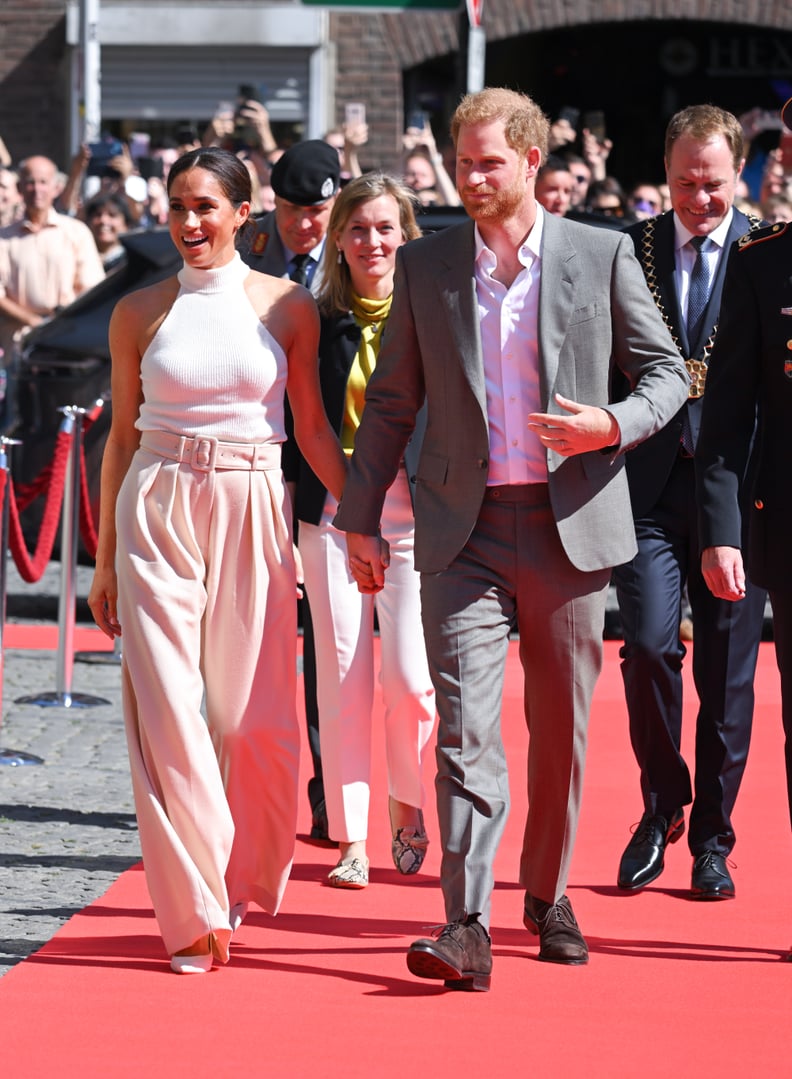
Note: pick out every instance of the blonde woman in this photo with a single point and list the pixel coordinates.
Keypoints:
(372, 217)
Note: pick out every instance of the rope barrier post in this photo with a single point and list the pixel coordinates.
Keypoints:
(63, 696)
(13, 757)
(110, 659)
(100, 656)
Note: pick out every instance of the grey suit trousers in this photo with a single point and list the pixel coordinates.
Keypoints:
(513, 572)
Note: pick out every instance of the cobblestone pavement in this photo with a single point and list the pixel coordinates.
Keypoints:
(67, 826)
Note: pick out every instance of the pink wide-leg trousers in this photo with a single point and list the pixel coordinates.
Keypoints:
(207, 607)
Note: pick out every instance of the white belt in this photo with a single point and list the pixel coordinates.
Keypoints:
(206, 453)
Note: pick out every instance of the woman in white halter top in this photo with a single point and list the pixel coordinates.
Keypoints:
(195, 561)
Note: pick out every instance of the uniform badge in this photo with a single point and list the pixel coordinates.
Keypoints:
(761, 235)
(260, 243)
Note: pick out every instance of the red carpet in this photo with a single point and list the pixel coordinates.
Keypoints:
(45, 638)
(674, 988)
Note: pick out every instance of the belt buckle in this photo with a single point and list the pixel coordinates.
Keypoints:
(203, 454)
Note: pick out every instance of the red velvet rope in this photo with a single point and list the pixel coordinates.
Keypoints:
(87, 527)
(28, 492)
(51, 479)
(32, 569)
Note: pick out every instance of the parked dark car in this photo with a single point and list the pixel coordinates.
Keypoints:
(66, 361)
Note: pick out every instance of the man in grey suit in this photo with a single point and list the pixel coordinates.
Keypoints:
(509, 326)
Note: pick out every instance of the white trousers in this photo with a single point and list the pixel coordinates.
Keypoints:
(207, 607)
(343, 622)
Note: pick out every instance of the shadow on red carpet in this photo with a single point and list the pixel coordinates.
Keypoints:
(674, 987)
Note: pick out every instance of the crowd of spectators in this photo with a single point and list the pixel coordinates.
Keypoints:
(118, 185)
(575, 180)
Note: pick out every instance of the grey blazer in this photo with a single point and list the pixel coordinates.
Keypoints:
(594, 312)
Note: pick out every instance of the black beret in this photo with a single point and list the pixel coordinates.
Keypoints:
(307, 174)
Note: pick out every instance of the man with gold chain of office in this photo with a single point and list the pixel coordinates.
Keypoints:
(683, 255)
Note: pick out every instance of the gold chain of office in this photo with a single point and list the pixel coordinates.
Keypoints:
(696, 369)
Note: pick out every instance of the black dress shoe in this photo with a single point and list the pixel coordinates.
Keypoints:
(560, 939)
(461, 954)
(711, 879)
(644, 857)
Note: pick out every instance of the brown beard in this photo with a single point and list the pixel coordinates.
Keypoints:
(502, 204)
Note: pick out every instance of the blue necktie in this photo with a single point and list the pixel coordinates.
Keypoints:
(698, 295)
(698, 291)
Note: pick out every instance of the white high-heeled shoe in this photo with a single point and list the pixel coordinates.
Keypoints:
(237, 915)
(191, 964)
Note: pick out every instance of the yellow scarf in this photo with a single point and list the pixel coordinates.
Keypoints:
(371, 316)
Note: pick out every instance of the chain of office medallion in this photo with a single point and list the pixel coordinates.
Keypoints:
(696, 369)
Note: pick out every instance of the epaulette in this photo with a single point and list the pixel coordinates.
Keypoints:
(260, 242)
(758, 236)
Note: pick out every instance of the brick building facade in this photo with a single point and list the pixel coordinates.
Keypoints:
(637, 59)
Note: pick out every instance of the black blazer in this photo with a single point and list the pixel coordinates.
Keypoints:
(750, 379)
(649, 464)
(338, 343)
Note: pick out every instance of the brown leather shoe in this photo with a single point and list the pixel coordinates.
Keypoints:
(560, 939)
(460, 954)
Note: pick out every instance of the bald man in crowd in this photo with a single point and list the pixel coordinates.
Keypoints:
(47, 259)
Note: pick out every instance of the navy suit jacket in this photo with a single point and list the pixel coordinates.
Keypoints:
(649, 465)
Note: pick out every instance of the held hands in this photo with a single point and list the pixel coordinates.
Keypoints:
(723, 571)
(369, 557)
(586, 428)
